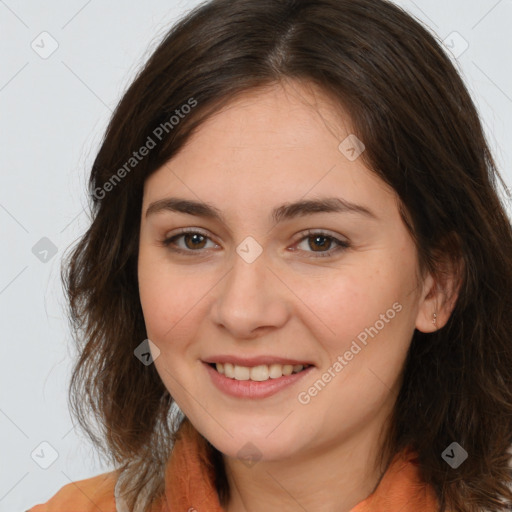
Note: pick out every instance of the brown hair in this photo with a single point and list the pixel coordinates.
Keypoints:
(423, 136)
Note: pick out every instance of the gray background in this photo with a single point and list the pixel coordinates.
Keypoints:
(54, 109)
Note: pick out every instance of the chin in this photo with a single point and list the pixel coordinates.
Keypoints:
(260, 441)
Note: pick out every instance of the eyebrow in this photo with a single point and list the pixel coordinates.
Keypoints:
(281, 213)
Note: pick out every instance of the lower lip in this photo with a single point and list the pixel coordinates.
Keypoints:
(251, 388)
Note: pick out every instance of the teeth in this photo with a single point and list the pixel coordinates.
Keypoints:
(241, 372)
(229, 370)
(275, 371)
(258, 373)
(287, 369)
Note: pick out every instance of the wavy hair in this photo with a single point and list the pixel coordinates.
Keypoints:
(423, 137)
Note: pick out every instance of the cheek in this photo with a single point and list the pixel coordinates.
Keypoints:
(162, 308)
(157, 294)
(171, 298)
(368, 300)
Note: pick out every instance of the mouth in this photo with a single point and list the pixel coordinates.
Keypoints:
(257, 376)
(258, 373)
(258, 381)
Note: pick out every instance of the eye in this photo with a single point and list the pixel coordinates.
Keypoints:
(321, 244)
(193, 241)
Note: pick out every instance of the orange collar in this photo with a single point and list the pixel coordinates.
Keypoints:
(189, 481)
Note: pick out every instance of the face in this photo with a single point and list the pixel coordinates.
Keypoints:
(329, 291)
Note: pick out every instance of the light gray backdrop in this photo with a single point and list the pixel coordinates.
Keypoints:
(63, 68)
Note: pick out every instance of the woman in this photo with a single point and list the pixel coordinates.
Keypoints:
(295, 293)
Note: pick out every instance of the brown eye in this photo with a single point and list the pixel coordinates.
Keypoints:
(192, 241)
(320, 244)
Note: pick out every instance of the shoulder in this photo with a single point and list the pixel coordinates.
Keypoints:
(88, 495)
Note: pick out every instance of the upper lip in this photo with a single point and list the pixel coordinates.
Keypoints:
(254, 361)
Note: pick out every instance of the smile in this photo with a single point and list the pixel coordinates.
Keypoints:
(258, 373)
(258, 381)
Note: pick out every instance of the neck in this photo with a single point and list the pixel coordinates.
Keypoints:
(337, 474)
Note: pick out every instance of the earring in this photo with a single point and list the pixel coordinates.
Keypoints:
(434, 321)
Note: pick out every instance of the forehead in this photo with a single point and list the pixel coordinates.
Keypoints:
(281, 142)
(288, 114)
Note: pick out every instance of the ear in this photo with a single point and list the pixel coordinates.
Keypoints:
(440, 292)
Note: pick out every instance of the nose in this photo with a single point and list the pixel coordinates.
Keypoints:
(251, 300)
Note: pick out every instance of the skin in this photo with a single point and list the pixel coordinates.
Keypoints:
(270, 147)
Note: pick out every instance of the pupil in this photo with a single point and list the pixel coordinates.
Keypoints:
(195, 238)
(321, 237)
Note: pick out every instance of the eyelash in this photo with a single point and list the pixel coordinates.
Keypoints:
(341, 244)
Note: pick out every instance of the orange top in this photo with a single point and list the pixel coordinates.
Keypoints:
(189, 485)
